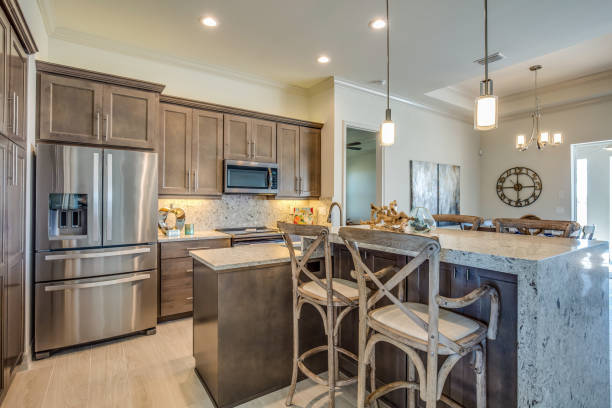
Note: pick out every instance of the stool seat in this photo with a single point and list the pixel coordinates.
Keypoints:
(342, 286)
(452, 325)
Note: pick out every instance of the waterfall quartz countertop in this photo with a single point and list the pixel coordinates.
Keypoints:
(198, 235)
(562, 305)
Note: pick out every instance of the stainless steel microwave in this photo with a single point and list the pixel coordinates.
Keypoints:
(250, 177)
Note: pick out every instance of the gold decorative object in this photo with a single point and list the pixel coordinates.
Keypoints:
(163, 215)
(387, 217)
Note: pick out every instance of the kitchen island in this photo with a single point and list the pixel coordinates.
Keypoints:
(552, 345)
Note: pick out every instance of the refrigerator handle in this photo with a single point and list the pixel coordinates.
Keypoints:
(96, 196)
(55, 288)
(109, 197)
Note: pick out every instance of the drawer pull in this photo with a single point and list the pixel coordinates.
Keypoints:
(196, 249)
(189, 271)
(55, 288)
(189, 298)
(87, 255)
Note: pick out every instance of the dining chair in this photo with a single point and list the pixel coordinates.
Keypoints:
(463, 220)
(587, 232)
(535, 227)
(332, 297)
(417, 327)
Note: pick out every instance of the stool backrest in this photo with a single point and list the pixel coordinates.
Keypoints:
(424, 249)
(299, 266)
(588, 231)
(473, 220)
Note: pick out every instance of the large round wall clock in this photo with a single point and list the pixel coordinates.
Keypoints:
(519, 186)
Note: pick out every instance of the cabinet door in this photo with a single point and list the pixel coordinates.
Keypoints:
(237, 138)
(207, 153)
(18, 74)
(176, 291)
(130, 117)
(175, 149)
(4, 169)
(263, 139)
(15, 281)
(310, 162)
(288, 143)
(70, 109)
(5, 34)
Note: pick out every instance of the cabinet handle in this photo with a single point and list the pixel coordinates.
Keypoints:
(16, 113)
(190, 298)
(195, 181)
(97, 125)
(15, 164)
(11, 124)
(189, 180)
(295, 184)
(253, 149)
(106, 119)
(196, 249)
(467, 274)
(189, 271)
(454, 273)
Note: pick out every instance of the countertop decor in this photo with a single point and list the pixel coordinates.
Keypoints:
(387, 217)
(198, 235)
(163, 217)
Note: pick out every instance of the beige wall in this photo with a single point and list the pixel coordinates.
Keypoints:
(579, 124)
(421, 135)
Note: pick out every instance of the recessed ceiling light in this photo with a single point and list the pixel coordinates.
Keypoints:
(209, 21)
(323, 59)
(377, 24)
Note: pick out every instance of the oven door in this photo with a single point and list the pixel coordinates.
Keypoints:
(250, 177)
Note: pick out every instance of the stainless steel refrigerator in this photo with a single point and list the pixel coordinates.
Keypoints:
(95, 260)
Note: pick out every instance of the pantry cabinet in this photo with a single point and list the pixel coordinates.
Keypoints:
(299, 161)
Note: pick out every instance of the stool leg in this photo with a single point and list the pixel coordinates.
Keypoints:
(480, 367)
(296, 351)
(336, 361)
(331, 352)
(373, 376)
(411, 378)
(361, 362)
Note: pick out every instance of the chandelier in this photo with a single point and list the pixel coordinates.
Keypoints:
(541, 137)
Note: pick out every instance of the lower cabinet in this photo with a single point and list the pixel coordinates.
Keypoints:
(12, 258)
(176, 275)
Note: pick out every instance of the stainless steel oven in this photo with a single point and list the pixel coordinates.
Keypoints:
(250, 177)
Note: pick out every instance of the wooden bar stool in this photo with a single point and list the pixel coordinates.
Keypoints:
(333, 298)
(529, 226)
(414, 327)
(463, 220)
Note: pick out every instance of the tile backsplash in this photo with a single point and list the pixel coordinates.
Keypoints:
(241, 210)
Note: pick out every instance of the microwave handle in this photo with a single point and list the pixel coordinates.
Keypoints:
(269, 178)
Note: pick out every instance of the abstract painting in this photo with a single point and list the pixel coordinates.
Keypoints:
(435, 186)
(449, 177)
(424, 185)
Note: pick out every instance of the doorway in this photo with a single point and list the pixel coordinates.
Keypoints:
(362, 172)
(591, 189)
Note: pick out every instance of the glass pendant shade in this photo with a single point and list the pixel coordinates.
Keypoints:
(521, 142)
(485, 112)
(387, 133)
(557, 139)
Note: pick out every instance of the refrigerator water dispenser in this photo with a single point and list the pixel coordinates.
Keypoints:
(67, 216)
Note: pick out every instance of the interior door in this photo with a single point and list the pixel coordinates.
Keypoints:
(175, 149)
(310, 162)
(15, 282)
(263, 141)
(68, 180)
(207, 153)
(288, 145)
(237, 138)
(130, 117)
(130, 197)
(18, 72)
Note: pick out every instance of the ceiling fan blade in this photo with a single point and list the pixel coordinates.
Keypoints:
(353, 144)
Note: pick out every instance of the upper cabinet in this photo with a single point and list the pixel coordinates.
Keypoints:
(82, 106)
(299, 161)
(190, 151)
(249, 139)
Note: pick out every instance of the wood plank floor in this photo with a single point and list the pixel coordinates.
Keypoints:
(137, 372)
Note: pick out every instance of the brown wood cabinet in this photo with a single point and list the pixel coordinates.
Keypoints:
(81, 106)
(249, 139)
(299, 161)
(176, 275)
(190, 151)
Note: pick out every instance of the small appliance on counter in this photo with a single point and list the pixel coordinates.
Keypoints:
(95, 252)
(253, 235)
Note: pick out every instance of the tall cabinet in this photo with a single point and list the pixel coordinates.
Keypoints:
(16, 43)
(299, 161)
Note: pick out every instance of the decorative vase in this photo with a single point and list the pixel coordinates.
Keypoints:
(422, 220)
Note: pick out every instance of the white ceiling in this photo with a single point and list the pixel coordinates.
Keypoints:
(433, 43)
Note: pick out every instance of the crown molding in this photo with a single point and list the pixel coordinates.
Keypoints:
(47, 14)
(341, 82)
(561, 106)
(94, 41)
(20, 25)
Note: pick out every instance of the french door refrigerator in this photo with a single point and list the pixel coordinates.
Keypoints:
(95, 252)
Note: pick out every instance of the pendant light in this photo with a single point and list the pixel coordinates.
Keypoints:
(485, 107)
(387, 129)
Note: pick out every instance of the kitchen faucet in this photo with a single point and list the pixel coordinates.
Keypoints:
(329, 212)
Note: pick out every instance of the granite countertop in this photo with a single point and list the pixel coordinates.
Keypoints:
(223, 259)
(199, 235)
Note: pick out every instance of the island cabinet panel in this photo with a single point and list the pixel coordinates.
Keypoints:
(237, 138)
(288, 145)
(191, 151)
(176, 275)
(263, 141)
(130, 117)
